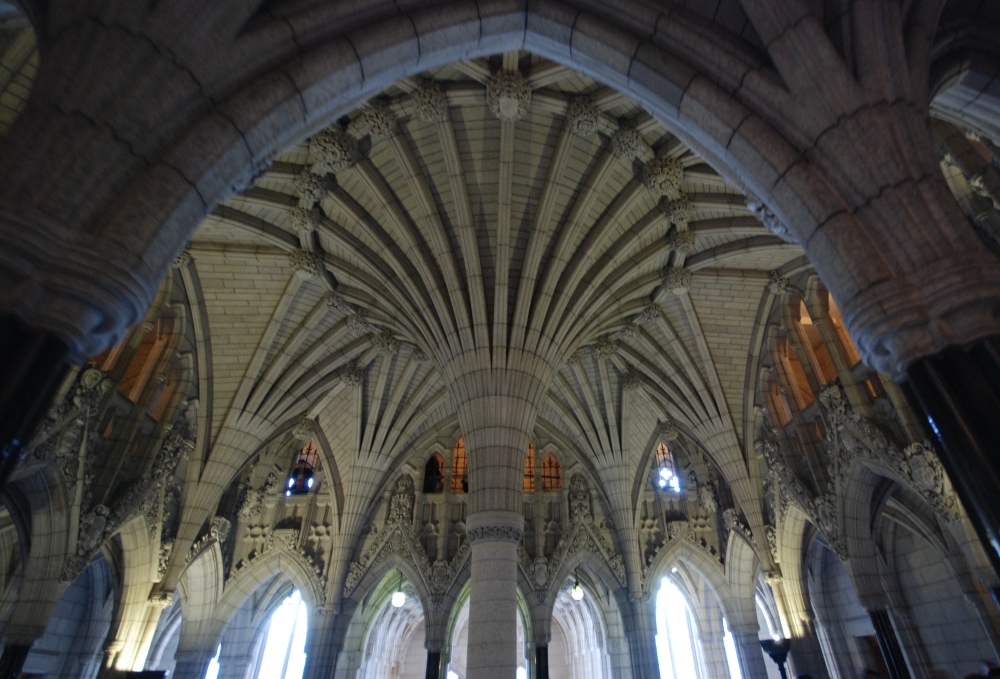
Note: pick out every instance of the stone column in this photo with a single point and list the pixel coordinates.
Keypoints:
(806, 655)
(888, 643)
(749, 651)
(433, 665)
(494, 537)
(192, 664)
(639, 616)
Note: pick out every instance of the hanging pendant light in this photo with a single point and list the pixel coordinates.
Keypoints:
(577, 592)
(398, 598)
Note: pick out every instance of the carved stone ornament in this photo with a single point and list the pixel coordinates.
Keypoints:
(626, 142)
(353, 375)
(335, 301)
(311, 187)
(581, 116)
(678, 211)
(605, 347)
(304, 220)
(420, 356)
(574, 359)
(357, 321)
(379, 120)
(682, 242)
(494, 534)
(631, 379)
(384, 343)
(183, 260)
(772, 542)
(579, 499)
(670, 432)
(251, 505)
(306, 264)
(629, 330)
(676, 281)
(333, 150)
(776, 285)
(304, 429)
(219, 530)
(768, 218)
(429, 102)
(706, 497)
(651, 312)
(508, 95)
(662, 175)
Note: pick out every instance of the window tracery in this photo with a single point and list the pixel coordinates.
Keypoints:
(666, 469)
(551, 474)
(434, 475)
(529, 469)
(459, 473)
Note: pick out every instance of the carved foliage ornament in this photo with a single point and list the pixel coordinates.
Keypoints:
(662, 175)
(429, 102)
(676, 281)
(333, 150)
(378, 119)
(626, 142)
(581, 116)
(494, 534)
(508, 95)
(305, 263)
(311, 187)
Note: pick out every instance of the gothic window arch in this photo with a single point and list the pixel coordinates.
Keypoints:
(551, 474)
(666, 469)
(434, 475)
(459, 468)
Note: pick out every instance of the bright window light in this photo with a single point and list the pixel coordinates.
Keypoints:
(669, 481)
(213, 666)
(453, 675)
(521, 673)
(284, 651)
(732, 658)
(676, 635)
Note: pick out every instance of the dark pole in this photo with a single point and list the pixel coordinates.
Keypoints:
(958, 393)
(778, 652)
(541, 662)
(895, 661)
(433, 665)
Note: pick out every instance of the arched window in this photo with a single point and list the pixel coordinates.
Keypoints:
(434, 475)
(300, 479)
(666, 472)
(811, 334)
(459, 469)
(284, 655)
(551, 474)
(147, 360)
(850, 351)
(529, 469)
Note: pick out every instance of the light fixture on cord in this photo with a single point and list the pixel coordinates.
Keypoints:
(398, 598)
(577, 591)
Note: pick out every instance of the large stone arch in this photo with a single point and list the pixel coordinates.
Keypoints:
(278, 560)
(677, 67)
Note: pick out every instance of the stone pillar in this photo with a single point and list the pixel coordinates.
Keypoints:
(494, 537)
(749, 651)
(323, 644)
(639, 616)
(888, 643)
(806, 655)
(541, 661)
(192, 664)
(12, 660)
(958, 390)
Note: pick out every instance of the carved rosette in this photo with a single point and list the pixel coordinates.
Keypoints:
(429, 102)
(311, 187)
(379, 120)
(494, 534)
(629, 330)
(306, 264)
(651, 312)
(768, 218)
(304, 220)
(682, 242)
(670, 432)
(385, 344)
(678, 211)
(776, 285)
(677, 281)
(581, 116)
(353, 375)
(304, 429)
(508, 95)
(631, 379)
(626, 142)
(662, 175)
(605, 347)
(333, 150)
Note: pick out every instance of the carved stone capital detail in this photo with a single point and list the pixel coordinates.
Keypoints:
(429, 102)
(626, 142)
(508, 95)
(306, 264)
(494, 534)
(379, 120)
(581, 116)
(676, 281)
(333, 150)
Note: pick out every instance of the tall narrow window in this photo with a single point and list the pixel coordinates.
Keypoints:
(551, 474)
(284, 654)
(434, 475)
(459, 469)
(300, 479)
(677, 645)
(850, 351)
(666, 474)
(529, 469)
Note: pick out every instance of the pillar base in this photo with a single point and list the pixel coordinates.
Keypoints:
(541, 662)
